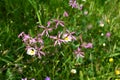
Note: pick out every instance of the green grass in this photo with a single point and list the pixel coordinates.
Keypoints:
(25, 15)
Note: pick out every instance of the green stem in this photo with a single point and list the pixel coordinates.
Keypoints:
(38, 16)
(33, 3)
(48, 47)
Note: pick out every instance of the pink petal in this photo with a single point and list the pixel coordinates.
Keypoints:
(21, 34)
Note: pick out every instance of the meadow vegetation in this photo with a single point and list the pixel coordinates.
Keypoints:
(60, 40)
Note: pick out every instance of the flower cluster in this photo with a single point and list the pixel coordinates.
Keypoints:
(32, 46)
(79, 53)
(87, 45)
(66, 37)
(74, 4)
(35, 45)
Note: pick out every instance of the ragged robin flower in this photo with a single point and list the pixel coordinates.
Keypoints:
(57, 39)
(73, 3)
(79, 53)
(46, 29)
(33, 45)
(68, 36)
(24, 36)
(65, 14)
(87, 45)
(58, 22)
(39, 52)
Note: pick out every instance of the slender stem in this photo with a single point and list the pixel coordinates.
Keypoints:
(48, 47)
(38, 16)
(33, 3)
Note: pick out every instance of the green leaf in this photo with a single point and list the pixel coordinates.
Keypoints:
(115, 54)
(9, 74)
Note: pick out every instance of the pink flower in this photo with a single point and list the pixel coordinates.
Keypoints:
(80, 7)
(33, 45)
(87, 45)
(65, 14)
(57, 39)
(24, 79)
(68, 36)
(71, 34)
(79, 53)
(73, 3)
(108, 34)
(35, 50)
(47, 78)
(46, 29)
(21, 34)
(32, 40)
(58, 22)
(39, 39)
(40, 52)
(48, 23)
(25, 37)
(29, 40)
